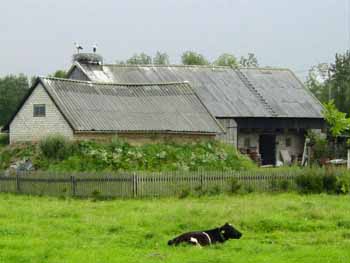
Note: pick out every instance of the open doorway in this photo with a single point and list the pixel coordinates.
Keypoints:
(267, 147)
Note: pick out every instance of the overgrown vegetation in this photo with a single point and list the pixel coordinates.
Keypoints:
(276, 228)
(316, 180)
(4, 140)
(57, 154)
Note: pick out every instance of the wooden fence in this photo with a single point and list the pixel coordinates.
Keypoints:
(138, 185)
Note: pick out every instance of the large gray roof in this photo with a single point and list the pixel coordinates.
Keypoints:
(225, 91)
(171, 107)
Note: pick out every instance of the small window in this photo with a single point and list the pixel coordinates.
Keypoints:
(288, 142)
(247, 142)
(39, 110)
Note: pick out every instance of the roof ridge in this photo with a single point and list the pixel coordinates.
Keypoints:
(169, 65)
(116, 84)
(196, 66)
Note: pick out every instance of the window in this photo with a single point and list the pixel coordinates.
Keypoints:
(247, 142)
(288, 142)
(39, 110)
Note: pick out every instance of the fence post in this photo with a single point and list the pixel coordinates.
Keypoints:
(73, 184)
(18, 182)
(134, 185)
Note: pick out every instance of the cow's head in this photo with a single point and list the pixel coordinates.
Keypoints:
(229, 232)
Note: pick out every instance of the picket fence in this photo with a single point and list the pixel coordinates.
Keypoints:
(139, 184)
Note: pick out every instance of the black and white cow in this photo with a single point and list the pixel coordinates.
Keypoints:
(207, 237)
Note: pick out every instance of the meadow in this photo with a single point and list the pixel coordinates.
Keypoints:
(276, 228)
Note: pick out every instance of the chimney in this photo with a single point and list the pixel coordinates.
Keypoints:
(88, 58)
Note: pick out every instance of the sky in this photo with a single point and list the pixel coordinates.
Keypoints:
(37, 36)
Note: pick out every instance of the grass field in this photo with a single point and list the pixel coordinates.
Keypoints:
(276, 228)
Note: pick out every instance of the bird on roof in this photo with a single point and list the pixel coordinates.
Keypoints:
(78, 47)
(94, 48)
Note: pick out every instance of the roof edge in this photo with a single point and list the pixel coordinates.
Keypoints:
(76, 64)
(115, 83)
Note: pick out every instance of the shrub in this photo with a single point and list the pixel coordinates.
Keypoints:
(330, 183)
(310, 182)
(234, 186)
(4, 139)
(343, 183)
(185, 192)
(56, 147)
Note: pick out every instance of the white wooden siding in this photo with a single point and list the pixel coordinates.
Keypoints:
(25, 127)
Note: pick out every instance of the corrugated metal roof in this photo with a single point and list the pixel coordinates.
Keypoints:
(266, 93)
(171, 107)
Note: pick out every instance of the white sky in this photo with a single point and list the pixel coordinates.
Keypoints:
(37, 36)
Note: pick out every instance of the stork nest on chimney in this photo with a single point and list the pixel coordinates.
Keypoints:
(88, 58)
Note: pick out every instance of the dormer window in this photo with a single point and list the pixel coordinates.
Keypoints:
(39, 110)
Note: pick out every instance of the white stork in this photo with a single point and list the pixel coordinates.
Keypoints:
(78, 47)
(94, 48)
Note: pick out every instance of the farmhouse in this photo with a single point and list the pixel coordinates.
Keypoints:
(139, 113)
(265, 112)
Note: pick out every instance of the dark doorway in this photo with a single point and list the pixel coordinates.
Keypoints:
(267, 146)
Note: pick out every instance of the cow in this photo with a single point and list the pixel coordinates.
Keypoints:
(207, 237)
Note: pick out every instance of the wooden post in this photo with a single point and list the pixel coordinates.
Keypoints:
(74, 185)
(134, 185)
(18, 182)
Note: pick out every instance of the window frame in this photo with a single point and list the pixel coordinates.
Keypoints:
(39, 110)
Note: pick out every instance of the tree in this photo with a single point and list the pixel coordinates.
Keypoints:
(317, 80)
(250, 61)
(139, 59)
(337, 120)
(12, 90)
(339, 82)
(59, 74)
(227, 59)
(161, 59)
(193, 58)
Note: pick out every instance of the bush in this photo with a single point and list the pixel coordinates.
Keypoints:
(234, 186)
(56, 147)
(284, 185)
(4, 139)
(310, 182)
(343, 183)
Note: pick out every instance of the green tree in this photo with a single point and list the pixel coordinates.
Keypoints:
(339, 82)
(59, 74)
(227, 59)
(250, 61)
(12, 90)
(337, 120)
(139, 59)
(161, 59)
(193, 58)
(317, 82)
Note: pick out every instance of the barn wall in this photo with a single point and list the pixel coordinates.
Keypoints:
(25, 127)
(230, 127)
(295, 150)
(77, 74)
(139, 139)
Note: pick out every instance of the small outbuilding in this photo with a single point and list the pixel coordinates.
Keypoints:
(140, 113)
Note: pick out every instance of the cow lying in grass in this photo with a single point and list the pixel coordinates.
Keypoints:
(208, 237)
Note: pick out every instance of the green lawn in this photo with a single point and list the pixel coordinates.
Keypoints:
(276, 228)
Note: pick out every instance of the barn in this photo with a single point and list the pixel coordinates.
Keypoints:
(265, 112)
(139, 113)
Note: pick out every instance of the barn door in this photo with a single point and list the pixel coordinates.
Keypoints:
(267, 146)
